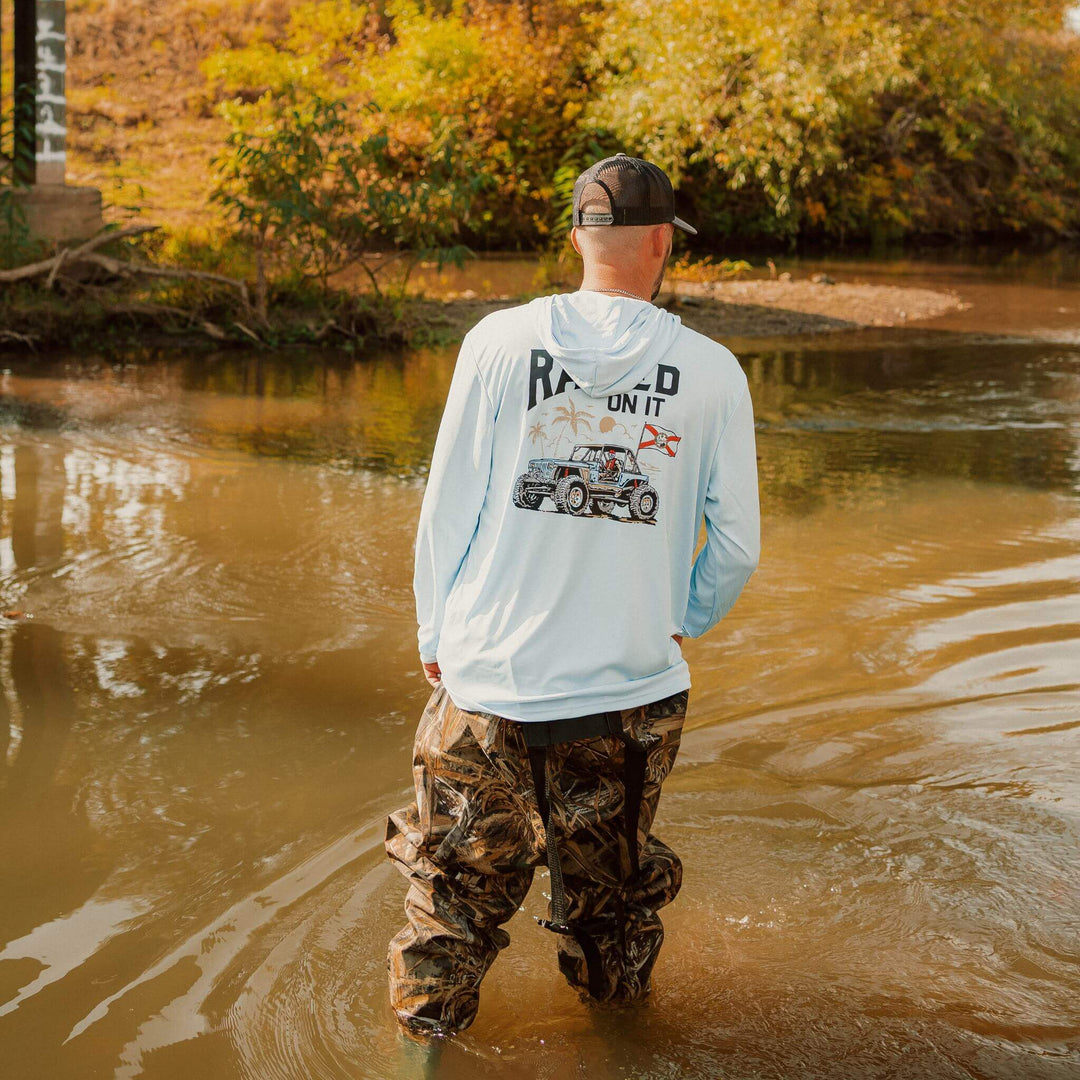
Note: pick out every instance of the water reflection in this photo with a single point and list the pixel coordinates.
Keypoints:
(209, 691)
(995, 412)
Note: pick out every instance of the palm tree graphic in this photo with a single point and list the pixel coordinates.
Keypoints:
(537, 433)
(570, 416)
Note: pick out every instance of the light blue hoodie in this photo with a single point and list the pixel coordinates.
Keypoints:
(584, 437)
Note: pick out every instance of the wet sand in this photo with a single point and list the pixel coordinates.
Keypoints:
(822, 297)
(748, 309)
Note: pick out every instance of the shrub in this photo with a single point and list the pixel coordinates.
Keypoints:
(781, 119)
(851, 118)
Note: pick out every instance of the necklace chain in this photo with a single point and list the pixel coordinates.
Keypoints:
(622, 292)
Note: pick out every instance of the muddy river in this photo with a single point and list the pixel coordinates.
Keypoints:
(209, 687)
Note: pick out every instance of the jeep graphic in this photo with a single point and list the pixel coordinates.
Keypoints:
(596, 477)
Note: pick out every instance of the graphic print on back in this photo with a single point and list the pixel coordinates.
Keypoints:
(596, 471)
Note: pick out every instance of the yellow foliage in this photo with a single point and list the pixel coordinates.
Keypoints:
(776, 117)
(501, 83)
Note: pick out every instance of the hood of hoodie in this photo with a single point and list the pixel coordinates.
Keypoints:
(606, 344)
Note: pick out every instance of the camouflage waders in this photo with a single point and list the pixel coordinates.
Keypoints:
(470, 842)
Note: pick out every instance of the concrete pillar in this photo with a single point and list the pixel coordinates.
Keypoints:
(51, 105)
(52, 209)
(61, 211)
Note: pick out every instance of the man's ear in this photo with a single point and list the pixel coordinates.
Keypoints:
(574, 240)
(662, 234)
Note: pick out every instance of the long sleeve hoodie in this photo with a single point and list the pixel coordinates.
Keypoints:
(584, 438)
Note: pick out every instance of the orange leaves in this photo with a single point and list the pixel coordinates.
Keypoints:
(783, 117)
(815, 211)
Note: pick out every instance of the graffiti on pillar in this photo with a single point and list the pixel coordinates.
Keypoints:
(51, 105)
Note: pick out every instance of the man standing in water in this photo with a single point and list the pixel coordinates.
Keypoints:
(553, 592)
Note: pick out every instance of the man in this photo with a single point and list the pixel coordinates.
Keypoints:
(552, 636)
(611, 466)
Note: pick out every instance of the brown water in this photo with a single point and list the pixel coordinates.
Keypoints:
(209, 697)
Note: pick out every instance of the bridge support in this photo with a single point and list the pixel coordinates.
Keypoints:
(54, 209)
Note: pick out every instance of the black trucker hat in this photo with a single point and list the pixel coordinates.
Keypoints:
(636, 192)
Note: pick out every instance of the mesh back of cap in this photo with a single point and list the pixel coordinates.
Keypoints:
(623, 191)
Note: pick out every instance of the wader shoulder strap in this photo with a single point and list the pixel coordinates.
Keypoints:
(635, 760)
(539, 737)
(538, 760)
(634, 764)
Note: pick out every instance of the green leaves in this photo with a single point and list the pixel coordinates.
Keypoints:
(433, 126)
(842, 117)
(315, 194)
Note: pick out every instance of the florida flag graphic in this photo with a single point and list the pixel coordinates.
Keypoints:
(654, 437)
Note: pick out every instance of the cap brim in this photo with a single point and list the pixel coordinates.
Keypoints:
(683, 225)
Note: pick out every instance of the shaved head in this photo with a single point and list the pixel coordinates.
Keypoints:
(614, 243)
(634, 255)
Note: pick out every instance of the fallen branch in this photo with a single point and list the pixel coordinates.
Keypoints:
(250, 333)
(122, 268)
(70, 255)
(55, 270)
(14, 335)
(208, 327)
(87, 253)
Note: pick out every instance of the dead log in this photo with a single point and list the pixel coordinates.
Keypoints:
(14, 335)
(122, 268)
(212, 329)
(70, 255)
(87, 253)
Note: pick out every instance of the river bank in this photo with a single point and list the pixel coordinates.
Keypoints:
(123, 319)
(834, 300)
(744, 309)
(739, 308)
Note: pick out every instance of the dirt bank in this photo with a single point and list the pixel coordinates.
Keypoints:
(724, 310)
(747, 308)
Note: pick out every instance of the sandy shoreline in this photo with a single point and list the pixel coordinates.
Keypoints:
(726, 311)
(748, 308)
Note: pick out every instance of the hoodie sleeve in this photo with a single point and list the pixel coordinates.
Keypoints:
(732, 525)
(456, 485)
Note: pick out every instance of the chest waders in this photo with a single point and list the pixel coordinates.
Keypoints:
(539, 738)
